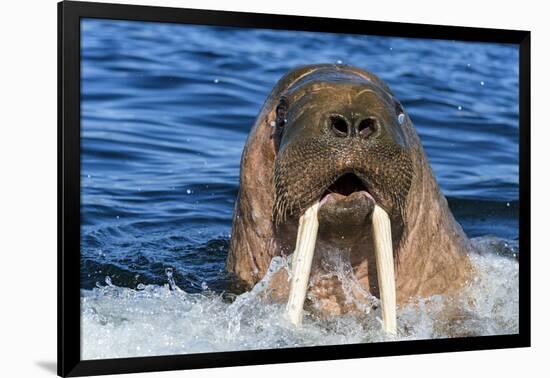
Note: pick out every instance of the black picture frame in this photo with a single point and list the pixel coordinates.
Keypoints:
(69, 14)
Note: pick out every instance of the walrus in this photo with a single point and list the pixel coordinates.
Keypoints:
(334, 138)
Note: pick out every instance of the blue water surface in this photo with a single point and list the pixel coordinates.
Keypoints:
(166, 109)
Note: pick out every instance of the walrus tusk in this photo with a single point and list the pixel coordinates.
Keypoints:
(385, 267)
(301, 263)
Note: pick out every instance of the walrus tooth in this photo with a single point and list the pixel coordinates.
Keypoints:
(385, 267)
(301, 263)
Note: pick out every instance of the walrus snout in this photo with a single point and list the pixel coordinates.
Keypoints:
(323, 130)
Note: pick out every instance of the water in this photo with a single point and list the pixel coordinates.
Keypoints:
(166, 109)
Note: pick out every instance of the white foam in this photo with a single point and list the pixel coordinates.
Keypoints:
(154, 320)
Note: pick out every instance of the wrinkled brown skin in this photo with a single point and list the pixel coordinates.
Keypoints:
(430, 247)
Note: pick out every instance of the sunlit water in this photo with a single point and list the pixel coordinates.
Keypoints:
(166, 110)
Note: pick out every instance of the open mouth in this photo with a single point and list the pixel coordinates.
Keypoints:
(344, 187)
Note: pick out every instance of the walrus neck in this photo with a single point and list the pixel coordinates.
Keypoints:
(435, 246)
(418, 207)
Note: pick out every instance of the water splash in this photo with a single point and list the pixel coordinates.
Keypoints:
(339, 267)
(163, 320)
(170, 278)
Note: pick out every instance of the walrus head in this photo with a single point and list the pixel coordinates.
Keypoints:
(340, 141)
(333, 164)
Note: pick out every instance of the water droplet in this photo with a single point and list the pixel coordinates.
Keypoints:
(216, 81)
(401, 118)
(89, 176)
(482, 83)
(204, 285)
(391, 48)
(108, 281)
(469, 65)
(507, 204)
(189, 191)
(169, 272)
(459, 107)
(171, 282)
(118, 217)
(339, 61)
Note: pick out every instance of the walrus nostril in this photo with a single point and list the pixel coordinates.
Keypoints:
(366, 127)
(338, 125)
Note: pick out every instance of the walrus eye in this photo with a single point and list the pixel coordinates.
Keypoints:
(280, 121)
(400, 113)
(280, 111)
